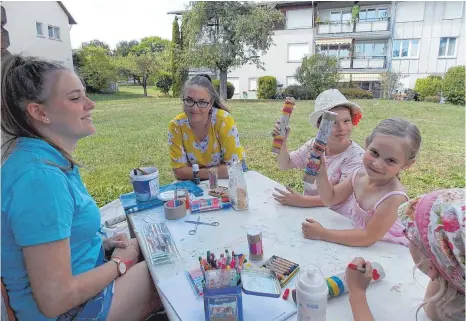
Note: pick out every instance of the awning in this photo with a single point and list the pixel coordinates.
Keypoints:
(359, 77)
(333, 41)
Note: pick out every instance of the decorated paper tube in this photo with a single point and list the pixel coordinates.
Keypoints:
(321, 140)
(284, 120)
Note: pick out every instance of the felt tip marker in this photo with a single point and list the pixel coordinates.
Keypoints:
(354, 267)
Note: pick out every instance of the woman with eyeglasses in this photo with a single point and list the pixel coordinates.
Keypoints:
(204, 133)
(434, 226)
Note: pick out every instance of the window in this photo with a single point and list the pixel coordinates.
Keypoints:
(299, 18)
(39, 30)
(297, 51)
(252, 84)
(339, 16)
(373, 14)
(407, 48)
(370, 49)
(54, 32)
(447, 47)
(342, 50)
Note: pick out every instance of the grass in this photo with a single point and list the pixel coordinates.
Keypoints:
(132, 131)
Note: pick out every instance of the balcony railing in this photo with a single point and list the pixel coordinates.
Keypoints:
(373, 25)
(375, 62)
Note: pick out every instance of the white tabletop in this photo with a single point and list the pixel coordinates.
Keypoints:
(398, 295)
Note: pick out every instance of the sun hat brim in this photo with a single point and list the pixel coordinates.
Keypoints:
(314, 117)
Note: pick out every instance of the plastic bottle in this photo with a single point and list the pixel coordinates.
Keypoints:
(311, 295)
(197, 177)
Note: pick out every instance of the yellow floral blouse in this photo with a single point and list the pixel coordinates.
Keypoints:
(221, 144)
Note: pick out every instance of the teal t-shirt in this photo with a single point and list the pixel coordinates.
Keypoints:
(42, 203)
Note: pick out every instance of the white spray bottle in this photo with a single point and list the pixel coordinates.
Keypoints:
(311, 295)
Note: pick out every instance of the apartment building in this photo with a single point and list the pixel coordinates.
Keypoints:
(414, 38)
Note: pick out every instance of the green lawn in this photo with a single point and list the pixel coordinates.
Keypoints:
(132, 131)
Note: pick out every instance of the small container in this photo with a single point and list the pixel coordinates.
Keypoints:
(146, 186)
(196, 174)
(213, 177)
(263, 282)
(174, 211)
(256, 250)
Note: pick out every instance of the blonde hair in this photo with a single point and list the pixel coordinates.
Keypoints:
(447, 302)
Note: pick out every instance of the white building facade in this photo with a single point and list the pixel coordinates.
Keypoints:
(39, 28)
(416, 39)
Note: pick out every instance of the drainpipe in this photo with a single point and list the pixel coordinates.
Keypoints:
(390, 41)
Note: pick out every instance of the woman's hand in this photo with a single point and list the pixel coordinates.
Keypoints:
(291, 198)
(276, 130)
(358, 281)
(117, 241)
(313, 230)
(130, 253)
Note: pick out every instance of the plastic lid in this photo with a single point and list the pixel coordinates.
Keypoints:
(312, 280)
(226, 205)
(195, 167)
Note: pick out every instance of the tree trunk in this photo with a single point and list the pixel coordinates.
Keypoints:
(134, 79)
(223, 84)
(144, 85)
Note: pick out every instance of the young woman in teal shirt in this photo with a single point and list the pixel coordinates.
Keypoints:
(53, 265)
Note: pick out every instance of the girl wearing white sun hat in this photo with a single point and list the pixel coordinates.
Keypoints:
(342, 155)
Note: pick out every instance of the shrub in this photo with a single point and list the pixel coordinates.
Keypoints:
(429, 86)
(453, 85)
(266, 87)
(164, 83)
(356, 93)
(297, 92)
(432, 99)
(230, 88)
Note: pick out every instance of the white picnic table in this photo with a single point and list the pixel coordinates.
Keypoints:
(395, 297)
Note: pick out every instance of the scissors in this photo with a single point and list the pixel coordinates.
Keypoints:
(198, 222)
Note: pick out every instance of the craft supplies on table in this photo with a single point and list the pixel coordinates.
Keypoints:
(114, 221)
(159, 243)
(284, 120)
(197, 223)
(130, 204)
(220, 192)
(237, 188)
(196, 279)
(256, 249)
(318, 148)
(174, 209)
(208, 204)
(284, 269)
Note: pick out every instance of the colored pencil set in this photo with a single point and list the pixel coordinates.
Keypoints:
(284, 269)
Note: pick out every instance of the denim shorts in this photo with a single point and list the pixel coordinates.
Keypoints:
(94, 309)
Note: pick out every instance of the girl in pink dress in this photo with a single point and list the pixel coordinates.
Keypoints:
(373, 193)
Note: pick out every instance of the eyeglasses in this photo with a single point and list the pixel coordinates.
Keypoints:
(410, 236)
(188, 102)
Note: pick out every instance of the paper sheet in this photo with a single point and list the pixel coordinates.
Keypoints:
(191, 308)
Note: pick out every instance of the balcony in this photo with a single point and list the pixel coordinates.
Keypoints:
(363, 28)
(376, 62)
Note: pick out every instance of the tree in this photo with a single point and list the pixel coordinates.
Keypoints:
(97, 68)
(226, 35)
(453, 85)
(389, 81)
(123, 48)
(150, 44)
(429, 86)
(97, 43)
(176, 66)
(146, 65)
(318, 73)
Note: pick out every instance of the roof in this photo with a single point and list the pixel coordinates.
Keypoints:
(71, 20)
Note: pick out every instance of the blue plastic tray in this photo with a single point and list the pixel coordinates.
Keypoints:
(131, 205)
